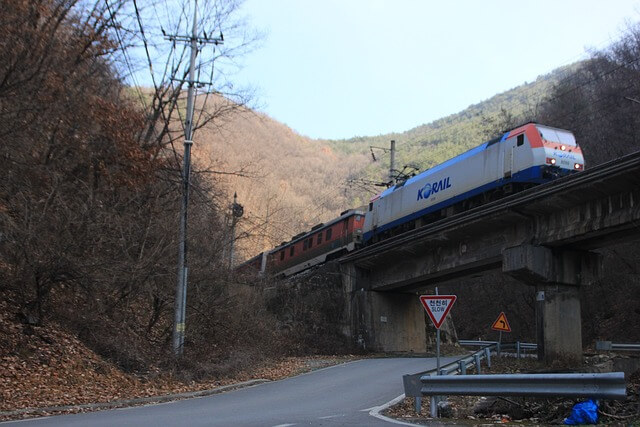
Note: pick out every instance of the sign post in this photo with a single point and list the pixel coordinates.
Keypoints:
(437, 346)
(437, 307)
(502, 325)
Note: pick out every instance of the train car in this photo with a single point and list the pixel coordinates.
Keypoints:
(323, 242)
(255, 265)
(525, 156)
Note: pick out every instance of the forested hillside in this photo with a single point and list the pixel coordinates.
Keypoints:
(286, 182)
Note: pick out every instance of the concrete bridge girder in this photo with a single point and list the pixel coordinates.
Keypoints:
(476, 247)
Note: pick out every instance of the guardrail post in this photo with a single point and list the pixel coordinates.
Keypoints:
(418, 404)
(463, 367)
(517, 349)
(443, 371)
(434, 407)
(477, 358)
(487, 355)
(498, 349)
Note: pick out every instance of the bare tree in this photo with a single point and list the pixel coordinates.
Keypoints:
(88, 188)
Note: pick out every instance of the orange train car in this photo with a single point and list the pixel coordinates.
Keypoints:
(322, 243)
(305, 250)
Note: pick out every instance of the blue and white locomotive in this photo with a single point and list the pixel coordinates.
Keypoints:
(528, 155)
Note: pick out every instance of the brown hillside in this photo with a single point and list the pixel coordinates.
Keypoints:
(286, 182)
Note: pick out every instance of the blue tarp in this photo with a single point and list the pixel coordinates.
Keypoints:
(583, 413)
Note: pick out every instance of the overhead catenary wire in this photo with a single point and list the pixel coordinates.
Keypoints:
(145, 44)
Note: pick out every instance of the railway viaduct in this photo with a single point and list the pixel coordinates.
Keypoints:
(544, 237)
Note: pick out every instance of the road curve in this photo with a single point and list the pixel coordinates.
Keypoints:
(341, 395)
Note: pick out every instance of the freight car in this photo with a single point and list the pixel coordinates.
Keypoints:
(254, 265)
(305, 250)
(525, 156)
(324, 242)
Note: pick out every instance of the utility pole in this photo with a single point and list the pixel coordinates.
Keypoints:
(181, 285)
(392, 164)
(237, 210)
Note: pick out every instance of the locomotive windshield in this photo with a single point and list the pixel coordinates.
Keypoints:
(557, 135)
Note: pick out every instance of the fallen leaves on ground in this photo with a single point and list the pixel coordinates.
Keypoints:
(46, 367)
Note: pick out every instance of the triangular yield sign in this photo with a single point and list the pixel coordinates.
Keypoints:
(501, 323)
(437, 307)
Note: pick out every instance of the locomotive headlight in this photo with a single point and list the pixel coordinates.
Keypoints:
(551, 161)
(563, 147)
(577, 166)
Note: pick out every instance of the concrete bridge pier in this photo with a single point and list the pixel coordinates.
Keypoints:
(382, 321)
(558, 322)
(557, 275)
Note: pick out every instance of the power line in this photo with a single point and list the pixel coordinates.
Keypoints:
(594, 101)
(125, 55)
(594, 79)
(144, 42)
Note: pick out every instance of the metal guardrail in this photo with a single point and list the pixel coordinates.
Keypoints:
(604, 386)
(431, 383)
(476, 343)
(518, 347)
(413, 386)
(609, 346)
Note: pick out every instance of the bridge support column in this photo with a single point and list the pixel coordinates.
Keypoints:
(558, 322)
(383, 321)
(557, 275)
(393, 321)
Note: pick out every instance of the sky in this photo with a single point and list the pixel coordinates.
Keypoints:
(333, 69)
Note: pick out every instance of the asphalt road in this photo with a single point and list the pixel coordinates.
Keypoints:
(341, 395)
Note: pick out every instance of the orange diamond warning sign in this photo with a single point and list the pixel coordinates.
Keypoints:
(501, 323)
(437, 306)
